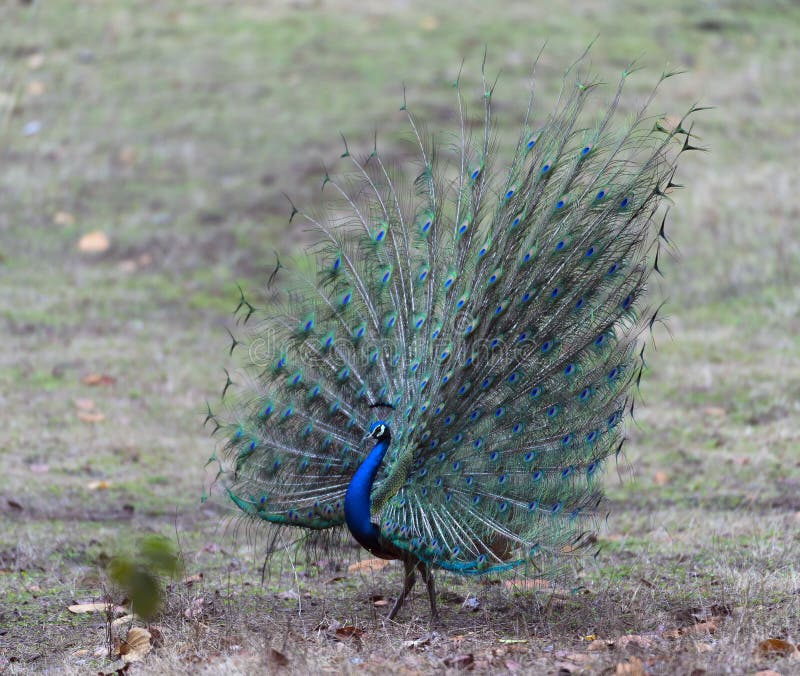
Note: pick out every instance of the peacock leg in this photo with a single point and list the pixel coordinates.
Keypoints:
(409, 578)
(427, 575)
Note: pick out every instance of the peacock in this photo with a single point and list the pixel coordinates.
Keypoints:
(448, 369)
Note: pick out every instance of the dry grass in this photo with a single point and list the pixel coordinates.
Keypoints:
(173, 128)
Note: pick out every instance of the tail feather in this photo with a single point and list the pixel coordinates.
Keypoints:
(497, 312)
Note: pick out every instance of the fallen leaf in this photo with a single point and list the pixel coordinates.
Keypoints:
(702, 628)
(96, 607)
(277, 658)
(701, 647)
(136, 645)
(34, 89)
(84, 404)
(191, 579)
(91, 416)
(63, 218)
(715, 411)
(156, 636)
(94, 242)
(578, 658)
(633, 639)
(774, 646)
(368, 566)
(125, 619)
(429, 23)
(599, 645)
(95, 379)
(127, 155)
(661, 478)
(195, 609)
(14, 504)
(633, 667)
(380, 603)
(459, 661)
(36, 61)
(349, 631)
(100, 485)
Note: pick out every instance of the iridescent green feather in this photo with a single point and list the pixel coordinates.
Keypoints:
(496, 311)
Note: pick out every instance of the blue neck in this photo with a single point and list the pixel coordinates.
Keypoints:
(357, 503)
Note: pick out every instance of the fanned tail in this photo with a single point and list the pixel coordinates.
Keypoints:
(495, 312)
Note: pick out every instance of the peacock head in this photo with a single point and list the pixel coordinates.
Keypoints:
(380, 431)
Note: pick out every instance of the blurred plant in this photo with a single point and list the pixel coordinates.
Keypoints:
(140, 575)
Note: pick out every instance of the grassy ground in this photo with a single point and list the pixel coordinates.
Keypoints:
(173, 128)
